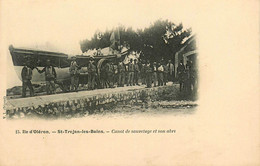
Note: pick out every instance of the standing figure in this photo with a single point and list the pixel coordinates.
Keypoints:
(154, 74)
(193, 78)
(181, 75)
(50, 77)
(121, 74)
(109, 74)
(136, 72)
(115, 74)
(165, 73)
(160, 74)
(189, 64)
(170, 67)
(191, 74)
(187, 83)
(26, 79)
(126, 74)
(143, 73)
(131, 72)
(92, 73)
(148, 72)
(74, 75)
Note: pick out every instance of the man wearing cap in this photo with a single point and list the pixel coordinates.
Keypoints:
(131, 70)
(26, 79)
(74, 74)
(92, 73)
(50, 77)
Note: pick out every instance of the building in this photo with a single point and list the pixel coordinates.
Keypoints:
(187, 52)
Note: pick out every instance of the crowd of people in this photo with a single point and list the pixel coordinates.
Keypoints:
(117, 74)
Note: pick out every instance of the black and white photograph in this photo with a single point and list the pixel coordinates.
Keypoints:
(144, 69)
(127, 70)
(129, 82)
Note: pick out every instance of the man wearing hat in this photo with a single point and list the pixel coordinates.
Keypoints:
(74, 74)
(50, 77)
(26, 79)
(92, 73)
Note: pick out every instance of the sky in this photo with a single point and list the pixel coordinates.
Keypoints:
(61, 24)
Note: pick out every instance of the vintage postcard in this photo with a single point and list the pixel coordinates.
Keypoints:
(129, 82)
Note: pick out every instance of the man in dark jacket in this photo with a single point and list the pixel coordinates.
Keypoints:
(26, 79)
(50, 77)
(74, 74)
(109, 74)
(131, 70)
(181, 75)
(92, 73)
(148, 72)
(121, 74)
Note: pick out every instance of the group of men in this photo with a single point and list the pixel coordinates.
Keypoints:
(112, 74)
(187, 76)
(50, 78)
(157, 73)
(134, 73)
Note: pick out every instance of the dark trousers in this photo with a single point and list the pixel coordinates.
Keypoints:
(50, 86)
(115, 79)
(110, 79)
(170, 77)
(149, 80)
(143, 78)
(74, 82)
(91, 80)
(27, 83)
(165, 78)
(130, 78)
(160, 78)
(136, 78)
(154, 78)
(121, 79)
(126, 78)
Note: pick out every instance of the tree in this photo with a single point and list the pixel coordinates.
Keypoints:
(162, 39)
